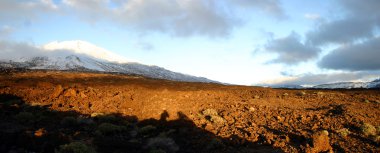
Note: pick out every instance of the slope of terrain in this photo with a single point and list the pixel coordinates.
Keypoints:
(83, 56)
(47, 111)
(85, 63)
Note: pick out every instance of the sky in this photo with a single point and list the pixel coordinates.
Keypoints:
(246, 42)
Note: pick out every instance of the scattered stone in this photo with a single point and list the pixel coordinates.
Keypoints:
(279, 118)
(217, 120)
(368, 129)
(251, 109)
(57, 91)
(285, 94)
(256, 97)
(70, 93)
(40, 132)
(97, 114)
(210, 112)
(82, 95)
(320, 142)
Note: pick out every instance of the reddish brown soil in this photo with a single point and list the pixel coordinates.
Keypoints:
(248, 119)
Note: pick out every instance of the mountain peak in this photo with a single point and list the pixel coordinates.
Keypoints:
(83, 47)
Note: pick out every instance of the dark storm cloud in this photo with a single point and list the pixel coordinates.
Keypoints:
(360, 47)
(358, 57)
(361, 19)
(341, 31)
(290, 50)
(358, 22)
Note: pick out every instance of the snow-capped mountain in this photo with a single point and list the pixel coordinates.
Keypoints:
(350, 85)
(338, 85)
(79, 55)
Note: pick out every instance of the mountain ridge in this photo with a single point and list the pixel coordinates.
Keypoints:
(338, 85)
(86, 63)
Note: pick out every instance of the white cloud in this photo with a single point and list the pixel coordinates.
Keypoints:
(272, 7)
(11, 10)
(5, 31)
(312, 16)
(291, 50)
(13, 50)
(83, 47)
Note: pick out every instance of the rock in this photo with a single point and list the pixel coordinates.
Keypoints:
(82, 95)
(210, 112)
(320, 142)
(96, 114)
(57, 91)
(40, 132)
(217, 120)
(251, 109)
(70, 93)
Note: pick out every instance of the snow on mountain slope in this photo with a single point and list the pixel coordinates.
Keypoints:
(82, 47)
(350, 85)
(80, 55)
(74, 62)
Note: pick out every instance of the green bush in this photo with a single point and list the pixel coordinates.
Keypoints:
(25, 117)
(368, 129)
(301, 93)
(162, 144)
(107, 119)
(108, 128)
(343, 132)
(69, 121)
(75, 147)
(146, 129)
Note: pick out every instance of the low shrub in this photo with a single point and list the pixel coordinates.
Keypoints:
(25, 117)
(75, 147)
(108, 128)
(69, 121)
(368, 129)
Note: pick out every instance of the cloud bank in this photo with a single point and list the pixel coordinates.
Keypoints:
(354, 33)
(290, 50)
(180, 18)
(16, 51)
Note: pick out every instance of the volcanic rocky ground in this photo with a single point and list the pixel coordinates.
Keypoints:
(57, 111)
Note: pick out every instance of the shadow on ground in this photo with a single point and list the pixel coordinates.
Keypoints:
(27, 128)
